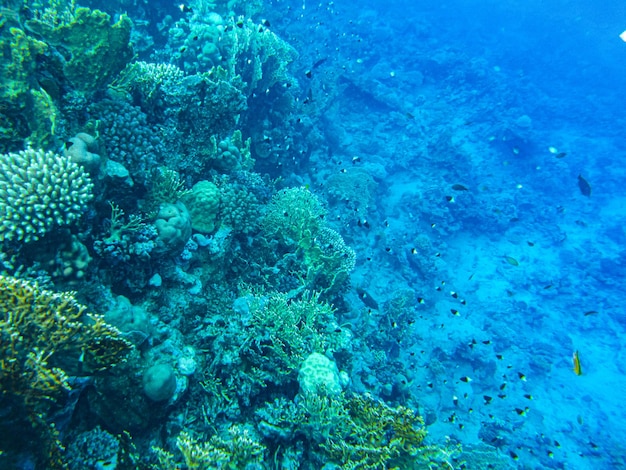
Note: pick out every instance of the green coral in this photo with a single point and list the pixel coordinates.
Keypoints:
(165, 187)
(231, 153)
(203, 204)
(38, 192)
(293, 214)
(238, 451)
(376, 436)
(44, 338)
(95, 50)
(288, 330)
(26, 110)
(295, 217)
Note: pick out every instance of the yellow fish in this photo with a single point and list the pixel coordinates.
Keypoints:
(576, 360)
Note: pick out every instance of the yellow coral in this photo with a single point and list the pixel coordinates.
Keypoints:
(41, 333)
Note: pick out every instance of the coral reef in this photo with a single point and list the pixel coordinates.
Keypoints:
(45, 337)
(38, 192)
(108, 46)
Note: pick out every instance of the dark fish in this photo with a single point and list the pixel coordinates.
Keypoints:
(591, 312)
(319, 62)
(521, 412)
(585, 187)
(560, 155)
(459, 187)
(450, 198)
(409, 115)
(366, 298)
(308, 74)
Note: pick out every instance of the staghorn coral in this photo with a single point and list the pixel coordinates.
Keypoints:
(38, 192)
(45, 337)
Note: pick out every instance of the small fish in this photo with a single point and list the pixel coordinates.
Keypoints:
(420, 300)
(550, 454)
(528, 396)
(521, 376)
(521, 412)
(454, 294)
(366, 298)
(513, 455)
(530, 243)
(265, 23)
(355, 160)
(459, 187)
(413, 251)
(465, 379)
(308, 74)
(512, 261)
(487, 342)
(499, 357)
(487, 399)
(590, 312)
(184, 8)
(576, 361)
(557, 444)
(450, 198)
(503, 386)
(561, 155)
(455, 312)
(585, 187)
(455, 400)
(409, 115)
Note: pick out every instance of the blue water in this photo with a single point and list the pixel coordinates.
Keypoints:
(470, 153)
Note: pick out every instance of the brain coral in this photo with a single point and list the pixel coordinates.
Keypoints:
(39, 191)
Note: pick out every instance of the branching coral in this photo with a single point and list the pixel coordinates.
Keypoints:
(293, 214)
(288, 330)
(44, 336)
(296, 217)
(39, 191)
(237, 451)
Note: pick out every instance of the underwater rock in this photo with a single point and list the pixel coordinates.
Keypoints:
(78, 150)
(159, 382)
